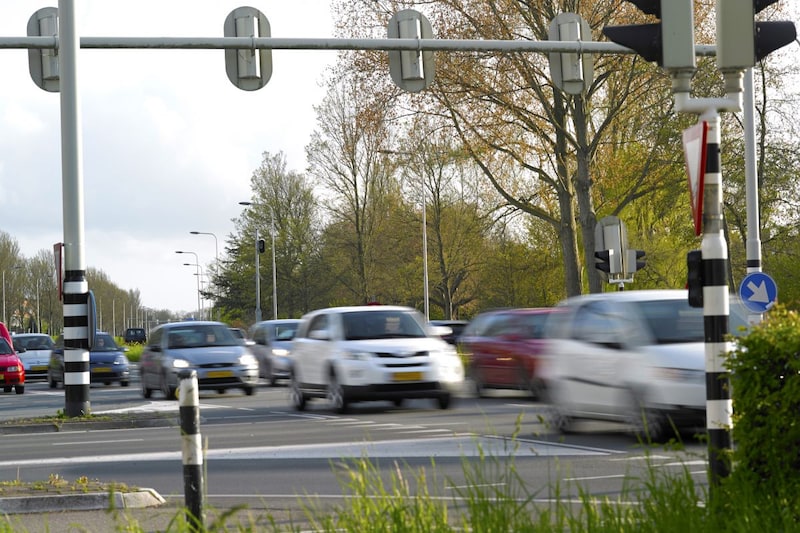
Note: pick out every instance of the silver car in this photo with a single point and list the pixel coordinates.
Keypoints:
(221, 360)
(272, 340)
(34, 351)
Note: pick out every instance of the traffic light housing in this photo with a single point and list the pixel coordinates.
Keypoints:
(694, 278)
(735, 22)
(607, 261)
(634, 261)
(670, 43)
(261, 245)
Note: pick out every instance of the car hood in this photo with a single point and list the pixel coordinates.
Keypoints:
(35, 357)
(209, 354)
(104, 357)
(397, 346)
(688, 355)
(8, 359)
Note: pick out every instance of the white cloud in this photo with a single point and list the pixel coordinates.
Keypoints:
(169, 144)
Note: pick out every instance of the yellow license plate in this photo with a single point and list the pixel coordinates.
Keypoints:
(101, 370)
(220, 374)
(408, 376)
(2, 377)
(38, 368)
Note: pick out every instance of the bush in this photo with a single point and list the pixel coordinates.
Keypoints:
(765, 376)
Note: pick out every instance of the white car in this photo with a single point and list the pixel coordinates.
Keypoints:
(34, 350)
(353, 354)
(636, 357)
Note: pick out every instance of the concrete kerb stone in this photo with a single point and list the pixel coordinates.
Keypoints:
(80, 502)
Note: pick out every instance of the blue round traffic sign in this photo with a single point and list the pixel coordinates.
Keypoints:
(758, 292)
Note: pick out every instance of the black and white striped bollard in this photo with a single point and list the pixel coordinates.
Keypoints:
(189, 402)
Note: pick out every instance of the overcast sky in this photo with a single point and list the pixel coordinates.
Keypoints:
(169, 144)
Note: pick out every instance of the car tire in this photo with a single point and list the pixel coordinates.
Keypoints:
(444, 401)
(19, 389)
(647, 425)
(51, 381)
(398, 402)
(296, 396)
(479, 386)
(249, 390)
(124, 383)
(147, 392)
(556, 418)
(273, 380)
(337, 398)
(167, 390)
(7, 389)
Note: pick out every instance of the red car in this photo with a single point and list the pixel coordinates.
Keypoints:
(502, 349)
(12, 373)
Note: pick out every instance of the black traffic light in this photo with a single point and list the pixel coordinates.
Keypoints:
(262, 246)
(635, 261)
(670, 43)
(735, 22)
(603, 260)
(694, 279)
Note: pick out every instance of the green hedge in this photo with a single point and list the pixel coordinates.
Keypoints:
(765, 376)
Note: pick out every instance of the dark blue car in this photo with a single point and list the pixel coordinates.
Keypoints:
(107, 362)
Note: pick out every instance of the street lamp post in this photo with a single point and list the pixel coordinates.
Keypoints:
(199, 273)
(216, 263)
(274, 270)
(197, 263)
(5, 317)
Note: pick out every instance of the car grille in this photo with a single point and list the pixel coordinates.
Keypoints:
(216, 365)
(403, 355)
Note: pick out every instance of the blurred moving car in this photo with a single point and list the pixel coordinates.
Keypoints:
(239, 334)
(503, 349)
(107, 362)
(353, 354)
(34, 352)
(135, 336)
(221, 360)
(12, 372)
(636, 357)
(456, 329)
(272, 341)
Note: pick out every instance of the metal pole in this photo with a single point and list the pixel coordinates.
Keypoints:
(258, 282)
(216, 263)
(425, 253)
(5, 318)
(716, 310)
(274, 271)
(76, 288)
(197, 262)
(189, 401)
(751, 182)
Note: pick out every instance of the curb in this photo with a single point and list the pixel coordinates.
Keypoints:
(80, 502)
(11, 428)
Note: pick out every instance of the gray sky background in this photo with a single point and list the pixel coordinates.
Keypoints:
(169, 144)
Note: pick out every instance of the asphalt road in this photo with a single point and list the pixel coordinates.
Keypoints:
(261, 453)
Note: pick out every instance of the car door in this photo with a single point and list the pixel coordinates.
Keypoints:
(592, 357)
(309, 351)
(149, 361)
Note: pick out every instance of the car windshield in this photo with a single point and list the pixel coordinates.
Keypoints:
(42, 342)
(199, 335)
(104, 343)
(361, 325)
(285, 332)
(674, 321)
(5, 348)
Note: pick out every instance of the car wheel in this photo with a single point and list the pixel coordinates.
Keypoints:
(147, 392)
(220, 391)
(167, 390)
(444, 401)
(273, 381)
(336, 394)
(296, 395)
(124, 383)
(7, 389)
(19, 389)
(649, 425)
(51, 381)
(478, 384)
(249, 390)
(556, 418)
(398, 402)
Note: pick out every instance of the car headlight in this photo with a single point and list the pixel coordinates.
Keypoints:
(180, 363)
(248, 360)
(121, 360)
(14, 368)
(358, 356)
(280, 352)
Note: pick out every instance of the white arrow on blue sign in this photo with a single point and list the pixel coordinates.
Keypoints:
(758, 292)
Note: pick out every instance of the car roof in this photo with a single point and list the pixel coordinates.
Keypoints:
(362, 308)
(644, 295)
(30, 335)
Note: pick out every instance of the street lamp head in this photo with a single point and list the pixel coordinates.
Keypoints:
(178, 251)
(195, 232)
